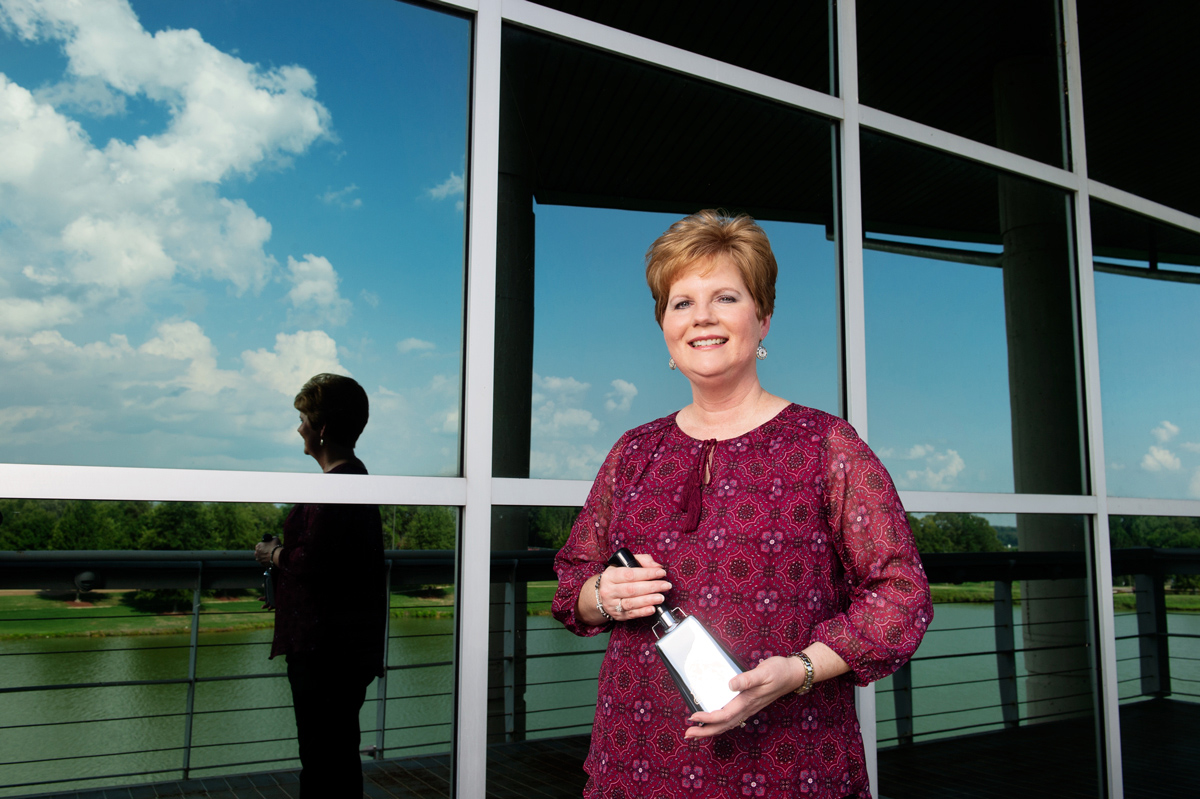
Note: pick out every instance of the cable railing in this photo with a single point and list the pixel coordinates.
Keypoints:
(206, 703)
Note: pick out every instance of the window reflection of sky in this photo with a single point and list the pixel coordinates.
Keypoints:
(193, 228)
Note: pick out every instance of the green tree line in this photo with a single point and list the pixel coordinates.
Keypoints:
(36, 524)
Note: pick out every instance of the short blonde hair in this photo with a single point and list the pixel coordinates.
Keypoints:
(703, 236)
(336, 402)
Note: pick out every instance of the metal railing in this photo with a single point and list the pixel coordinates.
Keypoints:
(542, 678)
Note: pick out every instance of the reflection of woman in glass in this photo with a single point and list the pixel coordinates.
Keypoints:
(330, 596)
(772, 522)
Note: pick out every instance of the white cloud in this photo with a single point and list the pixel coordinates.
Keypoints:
(185, 341)
(296, 358)
(131, 213)
(562, 386)
(621, 397)
(1165, 432)
(549, 420)
(315, 289)
(23, 315)
(450, 187)
(90, 96)
(341, 197)
(1190, 446)
(565, 461)
(915, 452)
(414, 345)
(1159, 458)
(941, 469)
(370, 298)
(1194, 486)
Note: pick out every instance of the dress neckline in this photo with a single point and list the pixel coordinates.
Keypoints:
(750, 432)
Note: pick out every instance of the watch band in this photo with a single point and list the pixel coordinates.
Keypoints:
(808, 673)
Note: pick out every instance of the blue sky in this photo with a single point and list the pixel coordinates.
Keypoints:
(203, 204)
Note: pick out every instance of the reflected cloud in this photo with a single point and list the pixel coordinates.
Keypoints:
(1160, 458)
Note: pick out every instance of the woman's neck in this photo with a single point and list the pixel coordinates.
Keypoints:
(332, 456)
(723, 415)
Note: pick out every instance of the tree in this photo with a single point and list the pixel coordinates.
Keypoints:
(550, 527)
(178, 526)
(26, 524)
(430, 527)
(954, 532)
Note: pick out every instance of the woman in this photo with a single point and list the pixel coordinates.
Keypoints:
(330, 596)
(771, 522)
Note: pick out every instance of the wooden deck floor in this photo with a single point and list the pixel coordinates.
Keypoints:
(1161, 747)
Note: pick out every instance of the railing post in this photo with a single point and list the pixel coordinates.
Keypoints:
(193, 650)
(1154, 654)
(902, 696)
(515, 624)
(1006, 657)
(381, 683)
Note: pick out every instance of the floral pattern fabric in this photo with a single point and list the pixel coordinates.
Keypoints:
(801, 537)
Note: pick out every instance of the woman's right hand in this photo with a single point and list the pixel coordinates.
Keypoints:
(625, 593)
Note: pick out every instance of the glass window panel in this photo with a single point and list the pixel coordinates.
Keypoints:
(1147, 292)
(541, 678)
(1137, 76)
(598, 157)
(208, 205)
(785, 40)
(80, 622)
(1006, 669)
(987, 71)
(1156, 574)
(972, 372)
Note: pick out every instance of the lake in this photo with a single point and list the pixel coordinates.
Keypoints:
(244, 725)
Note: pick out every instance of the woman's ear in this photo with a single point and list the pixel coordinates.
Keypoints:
(766, 327)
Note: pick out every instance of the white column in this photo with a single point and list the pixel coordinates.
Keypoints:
(474, 557)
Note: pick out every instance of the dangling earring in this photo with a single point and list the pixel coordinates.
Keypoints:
(761, 352)
(671, 364)
(322, 442)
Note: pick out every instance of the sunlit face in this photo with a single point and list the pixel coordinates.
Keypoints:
(311, 436)
(711, 323)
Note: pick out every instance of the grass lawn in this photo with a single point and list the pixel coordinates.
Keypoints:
(41, 615)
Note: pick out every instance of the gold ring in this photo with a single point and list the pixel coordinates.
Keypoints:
(743, 724)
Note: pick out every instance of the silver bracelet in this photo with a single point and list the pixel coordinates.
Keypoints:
(808, 673)
(599, 606)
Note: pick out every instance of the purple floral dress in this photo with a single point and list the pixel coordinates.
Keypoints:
(801, 537)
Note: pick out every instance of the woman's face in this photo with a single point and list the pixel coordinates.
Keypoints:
(311, 436)
(711, 324)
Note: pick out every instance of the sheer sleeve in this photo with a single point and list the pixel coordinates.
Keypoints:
(889, 602)
(587, 550)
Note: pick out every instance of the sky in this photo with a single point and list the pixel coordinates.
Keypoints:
(202, 205)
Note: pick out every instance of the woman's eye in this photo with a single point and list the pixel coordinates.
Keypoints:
(679, 306)
(726, 298)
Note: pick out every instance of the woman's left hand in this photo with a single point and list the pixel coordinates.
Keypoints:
(762, 685)
(759, 687)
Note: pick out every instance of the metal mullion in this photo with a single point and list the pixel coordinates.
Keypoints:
(522, 492)
(469, 749)
(1142, 206)
(685, 62)
(1146, 506)
(40, 481)
(1109, 694)
(966, 502)
(848, 174)
(972, 150)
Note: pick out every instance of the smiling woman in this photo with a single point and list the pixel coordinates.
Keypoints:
(199, 212)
